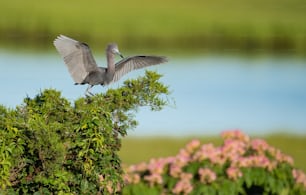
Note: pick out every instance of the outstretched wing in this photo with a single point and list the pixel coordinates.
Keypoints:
(135, 62)
(77, 56)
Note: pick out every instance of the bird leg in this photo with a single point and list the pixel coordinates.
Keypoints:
(87, 92)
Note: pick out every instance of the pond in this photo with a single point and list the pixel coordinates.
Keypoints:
(212, 93)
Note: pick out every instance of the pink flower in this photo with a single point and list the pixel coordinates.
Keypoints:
(288, 159)
(255, 161)
(138, 167)
(209, 152)
(204, 152)
(187, 176)
(154, 179)
(193, 145)
(175, 170)
(207, 175)
(238, 135)
(183, 186)
(233, 149)
(261, 161)
(131, 178)
(280, 157)
(242, 162)
(259, 145)
(157, 165)
(300, 177)
(233, 173)
(183, 156)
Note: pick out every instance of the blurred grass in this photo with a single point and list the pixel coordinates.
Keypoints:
(272, 24)
(138, 149)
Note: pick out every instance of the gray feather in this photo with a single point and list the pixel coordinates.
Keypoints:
(77, 56)
(135, 62)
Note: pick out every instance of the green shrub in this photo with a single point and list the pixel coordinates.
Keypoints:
(239, 166)
(49, 146)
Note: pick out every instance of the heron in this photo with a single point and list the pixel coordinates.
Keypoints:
(84, 69)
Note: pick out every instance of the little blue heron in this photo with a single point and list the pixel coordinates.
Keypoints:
(83, 67)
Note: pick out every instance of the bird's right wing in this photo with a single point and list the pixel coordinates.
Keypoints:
(77, 56)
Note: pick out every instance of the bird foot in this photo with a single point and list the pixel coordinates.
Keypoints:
(89, 94)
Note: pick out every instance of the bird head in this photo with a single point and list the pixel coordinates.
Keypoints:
(113, 48)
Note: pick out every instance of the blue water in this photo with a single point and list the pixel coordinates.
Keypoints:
(212, 93)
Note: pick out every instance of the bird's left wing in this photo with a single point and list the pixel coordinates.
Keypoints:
(136, 62)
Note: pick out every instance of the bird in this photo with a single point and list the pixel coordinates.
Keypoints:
(84, 70)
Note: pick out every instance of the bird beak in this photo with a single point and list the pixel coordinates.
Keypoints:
(116, 51)
(120, 55)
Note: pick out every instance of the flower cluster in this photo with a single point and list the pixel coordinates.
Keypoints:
(207, 175)
(183, 186)
(198, 166)
(299, 176)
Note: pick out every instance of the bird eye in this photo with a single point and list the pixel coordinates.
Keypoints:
(115, 51)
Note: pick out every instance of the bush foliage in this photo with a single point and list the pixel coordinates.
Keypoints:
(49, 146)
(240, 166)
